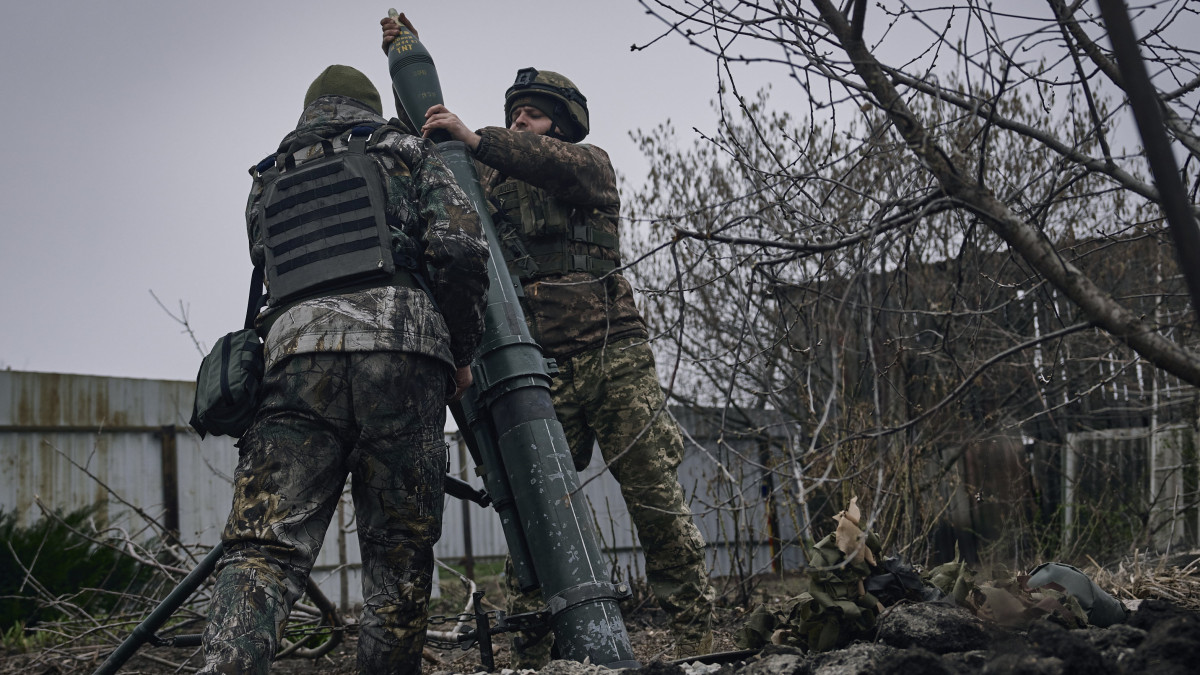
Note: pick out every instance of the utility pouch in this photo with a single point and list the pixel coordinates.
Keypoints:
(532, 209)
(228, 383)
(541, 239)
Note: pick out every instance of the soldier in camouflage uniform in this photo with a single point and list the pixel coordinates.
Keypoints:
(357, 380)
(557, 208)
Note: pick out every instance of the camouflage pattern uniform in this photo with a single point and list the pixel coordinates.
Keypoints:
(607, 388)
(356, 383)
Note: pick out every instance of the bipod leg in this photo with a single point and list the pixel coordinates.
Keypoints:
(144, 632)
(482, 635)
(534, 625)
(483, 632)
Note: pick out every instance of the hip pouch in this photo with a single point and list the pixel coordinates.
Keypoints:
(230, 377)
(227, 385)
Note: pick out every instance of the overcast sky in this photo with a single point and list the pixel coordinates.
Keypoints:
(130, 126)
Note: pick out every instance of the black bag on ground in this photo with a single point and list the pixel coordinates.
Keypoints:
(227, 385)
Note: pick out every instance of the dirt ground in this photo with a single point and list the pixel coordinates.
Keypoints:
(1158, 637)
(649, 639)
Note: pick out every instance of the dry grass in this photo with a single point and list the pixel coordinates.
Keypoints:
(1175, 579)
(1139, 577)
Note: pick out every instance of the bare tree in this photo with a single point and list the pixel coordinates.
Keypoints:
(953, 243)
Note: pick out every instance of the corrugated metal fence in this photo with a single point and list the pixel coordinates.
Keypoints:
(68, 441)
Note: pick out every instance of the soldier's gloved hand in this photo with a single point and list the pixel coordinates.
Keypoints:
(391, 30)
(462, 381)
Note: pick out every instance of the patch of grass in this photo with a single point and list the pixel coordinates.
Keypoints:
(65, 560)
(17, 639)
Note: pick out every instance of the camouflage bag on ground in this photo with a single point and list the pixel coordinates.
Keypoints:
(837, 607)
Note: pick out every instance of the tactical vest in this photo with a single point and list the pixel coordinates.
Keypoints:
(544, 237)
(324, 224)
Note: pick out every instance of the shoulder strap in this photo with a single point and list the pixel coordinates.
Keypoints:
(360, 135)
(256, 296)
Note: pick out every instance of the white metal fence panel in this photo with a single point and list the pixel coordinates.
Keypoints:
(1137, 477)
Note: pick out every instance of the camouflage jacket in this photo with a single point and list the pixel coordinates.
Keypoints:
(572, 311)
(424, 205)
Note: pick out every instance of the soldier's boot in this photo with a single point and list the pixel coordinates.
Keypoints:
(692, 645)
(685, 594)
(691, 625)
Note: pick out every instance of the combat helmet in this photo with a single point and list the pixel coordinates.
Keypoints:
(554, 95)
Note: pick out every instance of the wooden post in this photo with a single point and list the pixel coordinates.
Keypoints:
(170, 479)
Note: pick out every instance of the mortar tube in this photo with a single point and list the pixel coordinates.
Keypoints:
(512, 384)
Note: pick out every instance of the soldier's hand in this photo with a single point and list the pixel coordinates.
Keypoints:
(462, 381)
(440, 117)
(391, 29)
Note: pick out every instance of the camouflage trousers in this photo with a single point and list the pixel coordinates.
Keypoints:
(612, 394)
(377, 416)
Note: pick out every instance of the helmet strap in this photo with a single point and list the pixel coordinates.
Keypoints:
(561, 121)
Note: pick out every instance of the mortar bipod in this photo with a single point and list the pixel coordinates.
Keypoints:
(534, 624)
